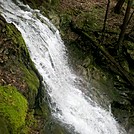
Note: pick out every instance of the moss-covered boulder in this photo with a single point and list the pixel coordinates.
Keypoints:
(13, 110)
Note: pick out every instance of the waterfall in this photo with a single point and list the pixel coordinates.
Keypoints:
(69, 104)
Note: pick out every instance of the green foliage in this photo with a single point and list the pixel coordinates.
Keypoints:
(13, 107)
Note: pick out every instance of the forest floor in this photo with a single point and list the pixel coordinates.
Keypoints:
(113, 21)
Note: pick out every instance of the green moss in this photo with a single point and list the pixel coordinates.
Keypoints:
(31, 123)
(24, 62)
(14, 33)
(32, 82)
(30, 78)
(13, 107)
(18, 41)
(3, 125)
(20, 50)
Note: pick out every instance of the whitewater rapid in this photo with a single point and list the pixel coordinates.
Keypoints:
(68, 103)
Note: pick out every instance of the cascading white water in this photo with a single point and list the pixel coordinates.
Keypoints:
(48, 53)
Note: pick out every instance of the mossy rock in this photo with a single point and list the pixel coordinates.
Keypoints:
(13, 109)
(20, 50)
(32, 81)
(24, 63)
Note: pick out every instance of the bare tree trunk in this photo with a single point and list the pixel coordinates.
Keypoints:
(118, 6)
(105, 20)
(124, 25)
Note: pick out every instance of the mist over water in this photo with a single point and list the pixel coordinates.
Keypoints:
(68, 103)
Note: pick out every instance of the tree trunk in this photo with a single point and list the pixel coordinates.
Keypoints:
(124, 25)
(105, 20)
(118, 6)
